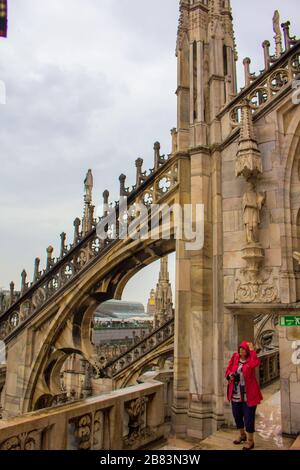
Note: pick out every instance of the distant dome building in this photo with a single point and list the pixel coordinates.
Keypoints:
(120, 310)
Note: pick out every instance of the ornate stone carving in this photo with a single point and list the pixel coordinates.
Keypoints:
(137, 427)
(252, 205)
(83, 432)
(38, 297)
(183, 25)
(256, 287)
(98, 430)
(248, 161)
(296, 255)
(24, 441)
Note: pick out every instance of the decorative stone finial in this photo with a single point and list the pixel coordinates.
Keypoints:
(157, 156)
(105, 196)
(87, 221)
(278, 34)
(50, 250)
(249, 77)
(62, 244)
(105, 202)
(174, 140)
(248, 162)
(288, 40)
(36, 274)
(267, 58)
(122, 180)
(76, 224)
(12, 293)
(88, 185)
(139, 172)
(23, 281)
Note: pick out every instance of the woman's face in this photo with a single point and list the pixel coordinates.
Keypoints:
(243, 353)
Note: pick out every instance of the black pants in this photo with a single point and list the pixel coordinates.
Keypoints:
(244, 416)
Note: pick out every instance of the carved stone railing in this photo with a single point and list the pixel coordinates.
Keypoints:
(266, 86)
(60, 273)
(152, 341)
(269, 368)
(93, 424)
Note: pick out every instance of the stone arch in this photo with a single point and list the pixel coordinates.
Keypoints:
(70, 328)
(58, 343)
(131, 374)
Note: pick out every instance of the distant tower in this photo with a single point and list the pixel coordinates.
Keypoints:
(151, 304)
(163, 295)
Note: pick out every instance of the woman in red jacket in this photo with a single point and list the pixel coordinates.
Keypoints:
(244, 392)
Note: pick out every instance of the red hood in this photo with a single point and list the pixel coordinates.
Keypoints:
(245, 346)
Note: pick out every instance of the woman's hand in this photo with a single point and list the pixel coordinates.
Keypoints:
(251, 346)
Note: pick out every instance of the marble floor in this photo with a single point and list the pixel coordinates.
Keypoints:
(268, 427)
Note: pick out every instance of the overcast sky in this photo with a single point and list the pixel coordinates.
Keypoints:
(90, 85)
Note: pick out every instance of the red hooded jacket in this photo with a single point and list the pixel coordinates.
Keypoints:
(253, 392)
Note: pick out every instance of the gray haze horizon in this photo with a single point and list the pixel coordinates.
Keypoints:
(92, 85)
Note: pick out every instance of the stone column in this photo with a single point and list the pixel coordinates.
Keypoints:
(201, 314)
(182, 319)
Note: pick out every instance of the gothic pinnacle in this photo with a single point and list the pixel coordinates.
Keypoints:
(267, 58)
(50, 250)
(12, 293)
(278, 34)
(23, 281)
(76, 224)
(88, 185)
(248, 161)
(105, 202)
(288, 40)
(36, 274)
(122, 179)
(62, 244)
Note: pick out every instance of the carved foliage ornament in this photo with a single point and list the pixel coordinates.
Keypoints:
(83, 432)
(136, 410)
(261, 289)
(24, 441)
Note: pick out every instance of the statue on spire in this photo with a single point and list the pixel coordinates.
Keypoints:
(278, 34)
(88, 216)
(88, 186)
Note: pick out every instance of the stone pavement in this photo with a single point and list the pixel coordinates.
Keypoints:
(268, 427)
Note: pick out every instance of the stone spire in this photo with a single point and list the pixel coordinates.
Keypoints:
(163, 295)
(206, 56)
(183, 25)
(248, 161)
(164, 273)
(88, 185)
(278, 34)
(87, 220)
